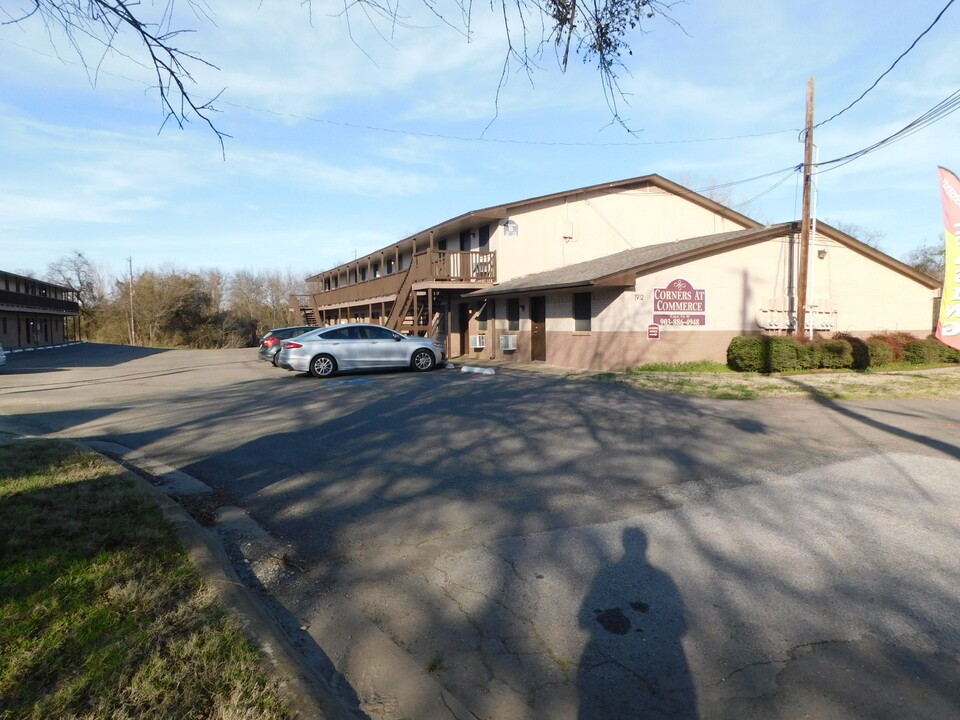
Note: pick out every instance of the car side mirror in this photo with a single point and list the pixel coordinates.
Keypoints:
(398, 338)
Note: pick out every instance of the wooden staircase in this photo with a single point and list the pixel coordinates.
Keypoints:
(410, 314)
(302, 304)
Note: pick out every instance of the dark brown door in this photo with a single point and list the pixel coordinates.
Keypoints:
(538, 328)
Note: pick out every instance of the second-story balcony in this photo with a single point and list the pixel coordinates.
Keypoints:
(437, 269)
(19, 301)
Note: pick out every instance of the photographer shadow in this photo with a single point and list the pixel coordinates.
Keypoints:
(634, 665)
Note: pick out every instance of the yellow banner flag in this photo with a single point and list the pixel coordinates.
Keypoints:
(948, 325)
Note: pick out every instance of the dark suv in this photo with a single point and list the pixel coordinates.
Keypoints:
(271, 343)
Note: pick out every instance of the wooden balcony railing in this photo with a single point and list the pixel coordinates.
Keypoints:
(38, 302)
(466, 266)
(473, 266)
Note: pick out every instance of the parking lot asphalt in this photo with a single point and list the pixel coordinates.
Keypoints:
(535, 547)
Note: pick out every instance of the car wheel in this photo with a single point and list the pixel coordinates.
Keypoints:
(323, 366)
(422, 360)
(276, 356)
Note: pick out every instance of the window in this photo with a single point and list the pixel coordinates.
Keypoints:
(513, 314)
(442, 245)
(465, 241)
(376, 269)
(379, 333)
(581, 312)
(482, 319)
(344, 333)
(485, 238)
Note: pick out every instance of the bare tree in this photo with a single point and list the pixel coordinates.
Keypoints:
(873, 238)
(79, 274)
(929, 258)
(259, 301)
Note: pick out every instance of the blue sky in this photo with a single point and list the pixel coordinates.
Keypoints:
(347, 137)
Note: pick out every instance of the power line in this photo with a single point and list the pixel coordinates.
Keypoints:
(723, 186)
(887, 71)
(460, 138)
(945, 107)
(791, 173)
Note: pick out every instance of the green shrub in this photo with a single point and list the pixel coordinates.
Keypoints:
(951, 355)
(944, 352)
(781, 354)
(860, 350)
(835, 353)
(806, 356)
(924, 352)
(762, 353)
(745, 353)
(881, 351)
(897, 341)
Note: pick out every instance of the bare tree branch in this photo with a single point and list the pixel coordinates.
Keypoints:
(600, 31)
(104, 21)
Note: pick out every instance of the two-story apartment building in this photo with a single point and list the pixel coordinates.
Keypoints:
(34, 313)
(614, 275)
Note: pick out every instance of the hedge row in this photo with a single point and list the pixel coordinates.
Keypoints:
(766, 354)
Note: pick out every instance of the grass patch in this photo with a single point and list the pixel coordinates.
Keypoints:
(101, 613)
(894, 381)
(689, 367)
(435, 664)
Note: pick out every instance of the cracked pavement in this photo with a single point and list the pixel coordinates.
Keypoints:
(546, 548)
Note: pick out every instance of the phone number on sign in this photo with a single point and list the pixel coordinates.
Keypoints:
(689, 320)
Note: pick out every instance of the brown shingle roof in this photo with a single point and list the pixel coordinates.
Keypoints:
(594, 272)
(501, 212)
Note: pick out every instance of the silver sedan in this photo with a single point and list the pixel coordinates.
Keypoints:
(358, 346)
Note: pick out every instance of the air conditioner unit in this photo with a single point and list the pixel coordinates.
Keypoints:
(508, 342)
(478, 342)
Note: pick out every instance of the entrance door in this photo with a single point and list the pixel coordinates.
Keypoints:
(538, 328)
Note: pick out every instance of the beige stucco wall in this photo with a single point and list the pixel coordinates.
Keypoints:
(589, 226)
(862, 297)
(853, 291)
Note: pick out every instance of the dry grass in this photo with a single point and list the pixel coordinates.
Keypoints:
(836, 386)
(101, 614)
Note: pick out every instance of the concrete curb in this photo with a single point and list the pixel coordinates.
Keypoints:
(299, 689)
(478, 370)
(42, 347)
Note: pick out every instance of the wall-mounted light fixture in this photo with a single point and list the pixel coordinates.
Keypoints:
(821, 254)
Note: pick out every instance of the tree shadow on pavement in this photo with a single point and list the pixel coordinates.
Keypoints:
(480, 521)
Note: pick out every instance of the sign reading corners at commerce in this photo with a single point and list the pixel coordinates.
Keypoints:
(679, 304)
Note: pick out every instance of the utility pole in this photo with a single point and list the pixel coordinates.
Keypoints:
(804, 262)
(133, 330)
